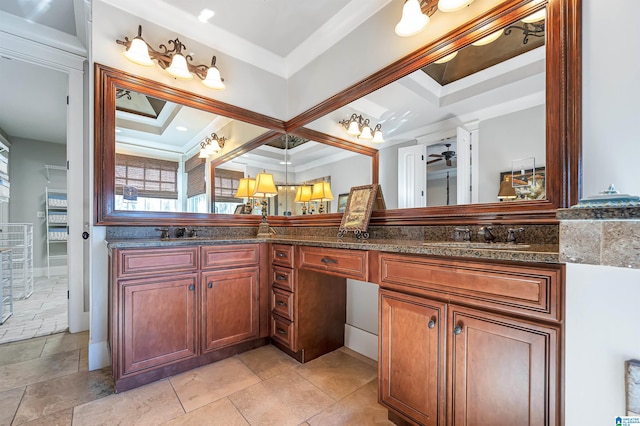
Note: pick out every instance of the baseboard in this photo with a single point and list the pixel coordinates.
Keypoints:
(99, 355)
(361, 341)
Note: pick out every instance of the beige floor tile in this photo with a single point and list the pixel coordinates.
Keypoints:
(38, 370)
(21, 351)
(152, 404)
(9, 402)
(60, 418)
(51, 396)
(84, 360)
(63, 342)
(219, 413)
(286, 399)
(356, 355)
(203, 385)
(337, 373)
(267, 361)
(359, 408)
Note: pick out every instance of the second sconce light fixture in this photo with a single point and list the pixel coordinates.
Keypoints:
(358, 126)
(173, 61)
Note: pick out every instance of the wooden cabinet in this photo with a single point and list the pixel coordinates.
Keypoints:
(308, 308)
(230, 308)
(464, 342)
(173, 309)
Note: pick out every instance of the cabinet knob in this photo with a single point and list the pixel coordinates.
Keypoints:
(328, 260)
(280, 254)
(210, 285)
(192, 287)
(431, 324)
(281, 303)
(281, 277)
(457, 329)
(281, 331)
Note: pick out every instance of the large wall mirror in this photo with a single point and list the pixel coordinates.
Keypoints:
(495, 100)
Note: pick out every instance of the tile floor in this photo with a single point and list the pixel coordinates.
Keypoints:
(44, 381)
(42, 314)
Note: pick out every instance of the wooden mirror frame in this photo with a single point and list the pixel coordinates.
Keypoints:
(563, 128)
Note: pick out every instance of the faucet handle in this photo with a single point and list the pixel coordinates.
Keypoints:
(192, 233)
(511, 234)
(486, 231)
(464, 233)
(164, 232)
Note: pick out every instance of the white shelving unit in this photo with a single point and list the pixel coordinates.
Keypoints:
(19, 238)
(56, 216)
(6, 285)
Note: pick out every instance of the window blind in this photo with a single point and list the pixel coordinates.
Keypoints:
(152, 177)
(195, 168)
(226, 185)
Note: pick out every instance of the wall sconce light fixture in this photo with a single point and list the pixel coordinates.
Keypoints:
(358, 126)
(416, 14)
(208, 147)
(141, 53)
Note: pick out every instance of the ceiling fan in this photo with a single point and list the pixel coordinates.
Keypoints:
(446, 155)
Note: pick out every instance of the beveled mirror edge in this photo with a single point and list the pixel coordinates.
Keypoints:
(564, 112)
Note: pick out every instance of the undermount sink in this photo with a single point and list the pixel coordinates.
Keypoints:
(472, 245)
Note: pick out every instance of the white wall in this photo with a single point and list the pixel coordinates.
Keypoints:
(506, 138)
(27, 159)
(602, 317)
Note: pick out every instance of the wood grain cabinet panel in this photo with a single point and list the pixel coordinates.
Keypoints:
(230, 256)
(411, 366)
(157, 261)
(282, 255)
(158, 322)
(339, 262)
(503, 370)
(230, 311)
(282, 278)
(282, 303)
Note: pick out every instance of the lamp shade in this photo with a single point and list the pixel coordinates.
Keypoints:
(265, 186)
(413, 20)
(447, 58)
(203, 153)
(303, 194)
(535, 17)
(246, 186)
(213, 80)
(377, 137)
(179, 68)
(321, 192)
(453, 5)
(366, 133)
(488, 39)
(138, 52)
(507, 191)
(354, 128)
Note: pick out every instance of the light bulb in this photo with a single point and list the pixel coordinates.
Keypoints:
(138, 52)
(179, 68)
(213, 80)
(413, 20)
(453, 5)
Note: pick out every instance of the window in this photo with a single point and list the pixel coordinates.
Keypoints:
(151, 183)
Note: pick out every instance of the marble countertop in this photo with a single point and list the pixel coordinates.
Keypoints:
(544, 253)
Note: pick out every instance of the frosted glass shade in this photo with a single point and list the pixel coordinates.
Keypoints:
(412, 21)
(354, 128)
(446, 58)
(535, 17)
(138, 52)
(203, 153)
(488, 39)
(178, 68)
(377, 137)
(453, 5)
(213, 79)
(366, 133)
(265, 186)
(321, 192)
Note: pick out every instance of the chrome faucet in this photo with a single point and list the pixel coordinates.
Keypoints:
(462, 234)
(180, 232)
(486, 231)
(511, 234)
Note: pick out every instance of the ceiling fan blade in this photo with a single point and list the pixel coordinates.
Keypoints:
(435, 155)
(434, 161)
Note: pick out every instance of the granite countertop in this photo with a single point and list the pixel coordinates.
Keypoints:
(545, 253)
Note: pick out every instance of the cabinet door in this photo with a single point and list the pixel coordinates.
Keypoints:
(158, 321)
(502, 370)
(411, 367)
(230, 309)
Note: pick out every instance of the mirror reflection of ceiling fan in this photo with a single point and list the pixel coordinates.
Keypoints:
(446, 155)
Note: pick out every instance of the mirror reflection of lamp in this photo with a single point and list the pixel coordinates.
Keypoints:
(321, 193)
(246, 187)
(265, 187)
(303, 195)
(507, 191)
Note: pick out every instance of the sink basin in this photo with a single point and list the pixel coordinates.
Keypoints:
(472, 245)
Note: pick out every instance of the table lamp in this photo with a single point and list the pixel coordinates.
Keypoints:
(321, 193)
(265, 187)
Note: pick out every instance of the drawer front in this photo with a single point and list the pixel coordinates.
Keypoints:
(340, 262)
(233, 255)
(282, 277)
(157, 261)
(282, 331)
(282, 303)
(282, 255)
(516, 289)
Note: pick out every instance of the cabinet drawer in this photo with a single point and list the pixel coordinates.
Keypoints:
(282, 277)
(157, 261)
(532, 291)
(282, 303)
(282, 331)
(340, 262)
(233, 255)
(282, 255)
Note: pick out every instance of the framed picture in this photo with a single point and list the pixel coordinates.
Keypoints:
(342, 202)
(239, 209)
(527, 184)
(358, 209)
